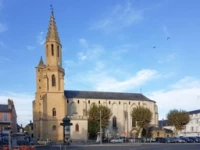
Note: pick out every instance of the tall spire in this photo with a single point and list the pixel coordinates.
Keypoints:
(52, 33)
(41, 63)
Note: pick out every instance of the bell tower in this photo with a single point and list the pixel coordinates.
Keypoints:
(49, 106)
(53, 45)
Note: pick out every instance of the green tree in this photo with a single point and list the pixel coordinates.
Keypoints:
(143, 117)
(94, 119)
(27, 128)
(178, 118)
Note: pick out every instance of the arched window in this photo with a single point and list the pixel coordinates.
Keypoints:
(78, 101)
(54, 128)
(52, 50)
(58, 51)
(133, 123)
(114, 122)
(89, 102)
(77, 128)
(53, 78)
(53, 112)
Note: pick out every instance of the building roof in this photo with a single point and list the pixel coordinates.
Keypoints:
(105, 95)
(41, 63)
(4, 108)
(194, 112)
(162, 123)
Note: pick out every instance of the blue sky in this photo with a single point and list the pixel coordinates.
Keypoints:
(107, 46)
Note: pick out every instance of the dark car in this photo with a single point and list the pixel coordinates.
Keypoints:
(186, 139)
(194, 139)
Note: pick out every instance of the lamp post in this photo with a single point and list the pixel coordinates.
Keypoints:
(100, 129)
(66, 129)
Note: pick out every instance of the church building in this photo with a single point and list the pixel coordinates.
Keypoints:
(52, 103)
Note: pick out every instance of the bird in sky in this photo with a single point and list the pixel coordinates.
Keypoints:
(168, 38)
(154, 47)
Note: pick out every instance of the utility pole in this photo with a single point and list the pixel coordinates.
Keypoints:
(100, 129)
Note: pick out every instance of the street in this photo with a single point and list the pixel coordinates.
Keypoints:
(191, 146)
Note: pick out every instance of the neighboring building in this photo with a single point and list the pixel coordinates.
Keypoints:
(193, 127)
(29, 129)
(52, 103)
(160, 132)
(8, 117)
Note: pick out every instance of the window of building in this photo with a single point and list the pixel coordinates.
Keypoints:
(138, 103)
(99, 102)
(109, 102)
(54, 112)
(158, 134)
(52, 49)
(77, 128)
(47, 50)
(78, 101)
(89, 102)
(67, 101)
(58, 51)
(119, 102)
(114, 121)
(192, 129)
(54, 128)
(39, 80)
(53, 78)
(133, 123)
(129, 103)
(5, 117)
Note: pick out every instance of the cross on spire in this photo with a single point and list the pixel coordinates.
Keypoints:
(51, 7)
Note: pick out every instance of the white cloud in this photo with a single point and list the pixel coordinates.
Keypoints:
(166, 31)
(168, 58)
(90, 52)
(83, 43)
(23, 105)
(30, 48)
(120, 16)
(103, 82)
(185, 94)
(2, 44)
(3, 27)
(41, 38)
(118, 52)
(187, 82)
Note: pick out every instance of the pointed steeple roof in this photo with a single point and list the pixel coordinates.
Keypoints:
(52, 33)
(41, 63)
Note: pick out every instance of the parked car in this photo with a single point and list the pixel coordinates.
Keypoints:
(43, 142)
(116, 140)
(186, 139)
(178, 140)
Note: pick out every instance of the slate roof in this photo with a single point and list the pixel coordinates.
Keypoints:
(4, 108)
(194, 112)
(105, 95)
(162, 123)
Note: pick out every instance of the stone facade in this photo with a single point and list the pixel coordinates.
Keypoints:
(193, 127)
(52, 103)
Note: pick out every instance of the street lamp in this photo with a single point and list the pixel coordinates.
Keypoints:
(66, 129)
(100, 129)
